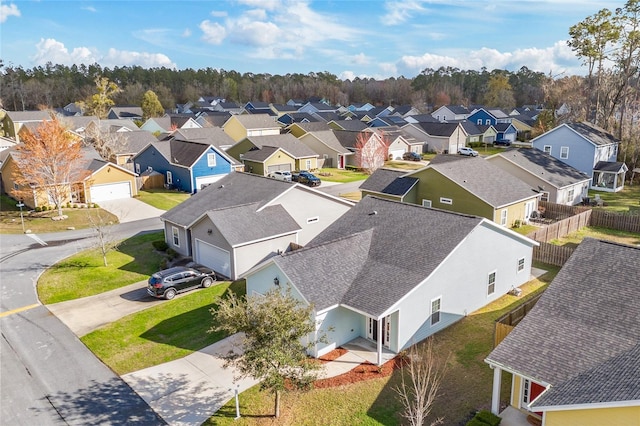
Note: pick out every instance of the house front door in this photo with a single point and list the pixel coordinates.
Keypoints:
(372, 330)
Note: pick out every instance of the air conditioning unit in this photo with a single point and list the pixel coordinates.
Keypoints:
(515, 292)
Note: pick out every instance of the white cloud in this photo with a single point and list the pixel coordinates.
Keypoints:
(128, 58)
(6, 11)
(262, 4)
(186, 33)
(51, 50)
(400, 11)
(213, 32)
(557, 58)
(219, 13)
(360, 59)
(256, 33)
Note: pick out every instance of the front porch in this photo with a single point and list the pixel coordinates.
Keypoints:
(368, 351)
(511, 416)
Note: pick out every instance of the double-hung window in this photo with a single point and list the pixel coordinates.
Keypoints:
(491, 284)
(435, 310)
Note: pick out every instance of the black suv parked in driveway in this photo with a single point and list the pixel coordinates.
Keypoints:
(306, 178)
(169, 282)
(502, 142)
(412, 156)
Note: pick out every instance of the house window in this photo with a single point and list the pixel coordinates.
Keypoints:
(444, 200)
(570, 196)
(138, 168)
(503, 217)
(426, 203)
(308, 163)
(544, 196)
(564, 152)
(435, 310)
(312, 220)
(15, 186)
(479, 122)
(211, 159)
(526, 390)
(547, 149)
(491, 284)
(521, 264)
(176, 236)
(487, 122)
(169, 178)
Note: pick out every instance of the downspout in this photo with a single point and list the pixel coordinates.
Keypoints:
(379, 342)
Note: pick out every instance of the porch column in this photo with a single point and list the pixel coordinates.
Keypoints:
(495, 395)
(379, 342)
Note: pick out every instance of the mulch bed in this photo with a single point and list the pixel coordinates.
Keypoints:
(365, 371)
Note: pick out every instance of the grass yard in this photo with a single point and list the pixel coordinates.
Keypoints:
(41, 222)
(466, 386)
(84, 274)
(622, 201)
(162, 199)
(403, 165)
(575, 238)
(338, 175)
(162, 333)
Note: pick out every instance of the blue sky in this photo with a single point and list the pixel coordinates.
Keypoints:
(349, 38)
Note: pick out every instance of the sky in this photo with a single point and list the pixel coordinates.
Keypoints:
(349, 38)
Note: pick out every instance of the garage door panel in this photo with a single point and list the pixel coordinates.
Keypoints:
(203, 181)
(213, 257)
(278, 167)
(110, 191)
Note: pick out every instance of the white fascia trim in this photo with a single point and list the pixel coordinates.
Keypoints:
(588, 406)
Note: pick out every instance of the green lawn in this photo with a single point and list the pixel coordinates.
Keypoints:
(622, 201)
(575, 238)
(403, 165)
(338, 175)
(466, 387)
(162, 199)
(84, 274)
(38, 223)
(162, 333)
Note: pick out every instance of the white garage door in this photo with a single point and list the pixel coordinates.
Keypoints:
(203, 181)
(277, 167)
(110, 191)
(213, 257)
(396, 154)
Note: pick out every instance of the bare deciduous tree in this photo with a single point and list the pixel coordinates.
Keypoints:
(372, 150)
(105, 240)
(421, 380)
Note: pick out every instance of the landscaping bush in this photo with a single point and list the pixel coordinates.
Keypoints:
(172, 253)
(160, 245)
(163, 263)
(488, 417)
(38, 209)
(484, 418)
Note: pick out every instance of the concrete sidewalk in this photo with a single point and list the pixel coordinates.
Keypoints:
(130, 209)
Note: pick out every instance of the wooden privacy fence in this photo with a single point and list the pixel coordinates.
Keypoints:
(562, 227)
(552, 254)
(507, 322)
(629, 222)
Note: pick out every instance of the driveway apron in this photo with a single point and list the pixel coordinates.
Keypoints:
(130, 209)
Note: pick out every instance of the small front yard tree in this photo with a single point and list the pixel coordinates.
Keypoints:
(49, 161)
(372, 150)
(276, 330)
(420, 384)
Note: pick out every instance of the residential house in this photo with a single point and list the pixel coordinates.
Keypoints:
(405, 111)
(327, 116)
(230, 107)
(282, 109)
(265, 154)
(391, 184)
(299, 129)
(421, 118)
(556, 181)
(169, 122)
(245, 219)
(351, 125)
(587, 148)
(467, 185)
(331, 152)
(395, 273)
(489, 133)
(369, 148)
(132, 113)
(388, 120)
(451, 113)
(575, 357)
(6, 143)
(187, 165)
(258, 107)
(486, 116)
(506, 131)
(399, 142)
(213, 119)
(438, 137)
(128, 144)
(289, 118)
(210, 135)
(315, 107)
(360, 106)
(94, 181)
(239, 127)
(14, 120)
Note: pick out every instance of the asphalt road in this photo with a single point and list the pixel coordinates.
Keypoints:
(47, 376)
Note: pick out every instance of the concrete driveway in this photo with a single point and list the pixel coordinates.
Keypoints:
(130, 209)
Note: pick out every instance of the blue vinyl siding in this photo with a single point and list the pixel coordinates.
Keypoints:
(482, 115)
(201, 167)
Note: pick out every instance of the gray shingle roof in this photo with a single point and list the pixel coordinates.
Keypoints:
(328, 137)
(438, 129)
(185, 153)
(233, 190)
(314, 126)
(135, 141)
(593, 133)
(544, 166)
(483, 179)
(287, 142)
(257, 121)
(360, 260)
(352, 125)
(209, 135)
(390, 182)
(610, 166)
(583, 335)
(260, 155)
(245, 223)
